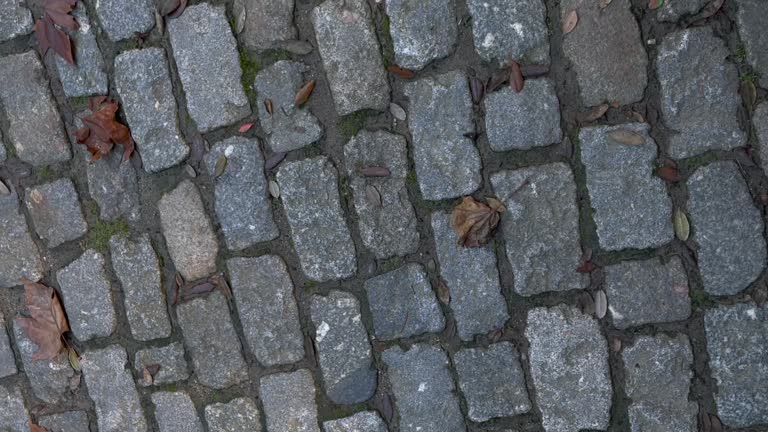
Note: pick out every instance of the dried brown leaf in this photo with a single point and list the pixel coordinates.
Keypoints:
(717, 425)
(603, 3)
(49, 36)
(179, 10)
(102, 130)
(222, 285)
(74, 359)
(403, 73)
(221, 166)
(385, 406)
(616, 344)
(655, 4)
(669, 173)
(375, 171)
(587, 267)
(304, 93)
(570, 22)
(594, 114)
(477, 89)
(443, 292)
(36, 428)
(269, 106)
(516, 80)
(47, 322)
(626, 137)
(246, 127)
(475, 222)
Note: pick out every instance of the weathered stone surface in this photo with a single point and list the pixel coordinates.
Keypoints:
(49, 379)
(34, 123)
(70, 421)
(19, 256)
(208, 66)
(737, 340)
(473, 280)
(367, 421)
(674, 10)
(89, 76)
(402, 303)
(524, 120)
(87, 293)
(541, 227)
(447, 162)
(112, 184)
(760, 122)
(421, 30)
(606, 52)
(510, 30)
(13, 414)
(752, 21)
(267, 23)
(387, 228)
(242, 207)
(727, 227)
(569, 366)
(351, 55)
(7, 359)
(658, 374)
(123, 19)
(3, 154)
(237, 415)
(188, 231)
(699, 93)
(310, 196)
(343, 348)
(631, 206)
(144, 84)
(173, 365)
(289, 401)
(492, 381)
(111, 387)
(56, 212)
(423, 389)
(175, 412)
(288, 127)
(263, 293)
(212, 343)
(641, 292)
(136, 266)
(15, 20)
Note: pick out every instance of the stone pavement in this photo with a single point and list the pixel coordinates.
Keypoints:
(344, 301)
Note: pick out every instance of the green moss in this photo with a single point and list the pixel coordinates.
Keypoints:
(698, 299)
(346, 191)
(741, 54)
(101, 232)
(93, 209)
(750, 77)
(45, 174)
(351, 124)
(79, 103)
(391, 264)
(411, 179)
(275, 55)
(310, 284)
(251, 66)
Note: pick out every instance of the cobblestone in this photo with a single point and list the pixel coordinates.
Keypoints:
(122, 20)
(310, 197)
(751, 21)
(447, 162)
(144, 84)
(175, 412)
(19, 256)
(760, 121)
(89, 76)
(367, 421)
(238, 415)
(421, 30)
(170, 358)
(267, 23)
(7, 360)
(87, 293)
(3, 154)
(70, 421)
(673, 11)
(727, 228)
(113, 185)
(387, 229)
(49, 379)
(34, 123)
(15, 20)
(541, 228)
(289, 401)
(56, 212)
(13, 413)
(263, 293)
(510, 30)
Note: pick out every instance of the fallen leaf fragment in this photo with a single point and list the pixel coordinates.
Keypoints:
(626, 137)
(476, 89)
(373, 196)
(475, 222)
(274, 189)
(604, 3)
(47, 322)
(403, 73)
(102, 131)
(274, 160)
(443, 292)
(51, 37)
(587, 267)
(386, 407)
(616, 344)
(601, 304)
(682, 227)
(74, 359)
(717, 425)
(179, 10)
(655, 4)
(221, 166)
(375, 171)
(397, 111)
(749, 92)
(238, 9)
(669, 173)
(594, 114)
(304, 93)
(516, 80)
(246, 127)
(269, 106)
(570, 21)
(4, 189)
(222, 285)
(36, 428)
(190, 171)
(497, 79)
(534, 70)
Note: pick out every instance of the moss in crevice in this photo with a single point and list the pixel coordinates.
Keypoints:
(251, 66)
(101, 232)
(391, 264)
(351, 124)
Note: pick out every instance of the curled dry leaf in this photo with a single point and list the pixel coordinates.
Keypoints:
(304, 93)
(475, 222)
(682, 227)
(49, 36)
(534, 70)
(616, 344)
(179, 10)
(669, 173)
(222, 284)
(655, 4)
(397, 111)
(221, 166)
(594, 114)
(36, 428)
(274, 189)
(246, 127)
(269, 106)
(626, 137)
(601, 304)
(101, 130)
(403, 73)
(4, 189)
(570, 22)
(516, 80)
(443, 292)
(375, 171)
(587, 267)
(373, 196)
(477, 89)
(74, 359)
(274, 160)
(385, 406)
(47, 322)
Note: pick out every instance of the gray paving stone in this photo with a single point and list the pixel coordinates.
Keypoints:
(699, 93)
(367, 421)
(569, 367)
(19, 256)
(113, 185)
(56, 212)
(237, 415)
(402, 303)
(658, 375)
(631, 206)
(49, 379)
(760, 121)
(351, 55)
(289, 401)
(492, 381)
(87, 293)
(541, 228)
(34, 123)
(346, 360)
(188, 233)
(751, 21)
(674, 10)
(267, 23)
(15, 20)
(3, 154)
(510, 30)
(641, 292)
(144, 84)
(520, 121)
(727, 227)
(13, 414)
(288, 127)
(173, 365)
(7, 359)
(111, 387)
(263, 293)
(209, 66)
(212, 343)
(135, 264)
(70, 421)
(388, 229)
(737, 340)
(89, 76)
(123, 19)
(421, 30)
(447, 162)
(175, 412)
(473, 280)
(242, 208)
(310, 196)
(423, 389)
(606, 52)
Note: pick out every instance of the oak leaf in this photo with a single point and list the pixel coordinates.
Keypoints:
(475, 222)
(102, 131)
(47, 323)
